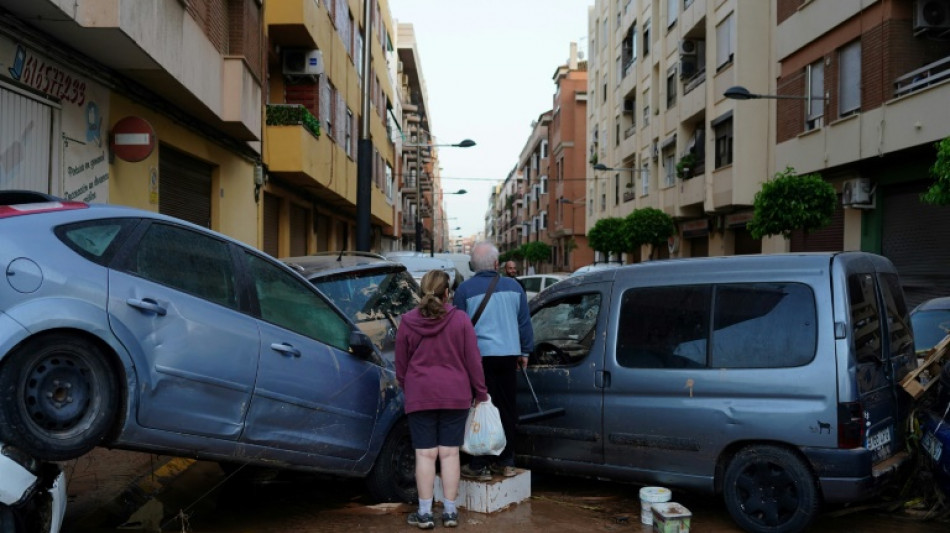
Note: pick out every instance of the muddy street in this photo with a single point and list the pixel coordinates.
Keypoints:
(202, 499)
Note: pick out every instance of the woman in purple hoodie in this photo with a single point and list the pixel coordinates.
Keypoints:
(439, 368)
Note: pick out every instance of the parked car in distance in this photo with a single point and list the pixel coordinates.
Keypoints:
(770, 380)
(462, 263)
(595, 267)
(129, 329)
(535, 283)
(371, 290)
(931, 323)
(418, 264)
(32, 493)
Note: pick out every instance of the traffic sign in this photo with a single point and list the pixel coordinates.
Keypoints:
(133, 139)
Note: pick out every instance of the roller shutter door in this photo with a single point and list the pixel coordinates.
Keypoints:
(299, 230)
(184, 188)
(829, 239)
(25, 141)
(915, 239)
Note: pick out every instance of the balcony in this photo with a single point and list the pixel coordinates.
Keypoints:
(923, 77)
(300, 158)
(294, 23)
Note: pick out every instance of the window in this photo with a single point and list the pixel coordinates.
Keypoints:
(849, 79)
(96, 240)
(565, 329)
(645, 180)
(671, 88)
(616, 189)
(187, 261)
(672, 12)
(723, 132)
(348, 136)
(815, 104)
(646, 38)
(294, 305)
(669, 169)
(754, 325)
(543, 217)
(725, 45)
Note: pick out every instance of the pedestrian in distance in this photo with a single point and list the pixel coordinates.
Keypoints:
(511, 270)
(440, 371)
(505, 338)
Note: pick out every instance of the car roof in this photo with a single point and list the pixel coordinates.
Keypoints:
(323, 264)
(940, 303)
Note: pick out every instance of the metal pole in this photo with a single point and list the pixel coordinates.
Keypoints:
(364, 160)
(418, 193)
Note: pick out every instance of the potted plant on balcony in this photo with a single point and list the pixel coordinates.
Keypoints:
(686, 166)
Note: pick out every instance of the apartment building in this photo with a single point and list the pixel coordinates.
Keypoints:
(315, 62)
(533, 167)
(155, 105)
(507, 217)
(567, 167)
(657, 73)
(877, 78)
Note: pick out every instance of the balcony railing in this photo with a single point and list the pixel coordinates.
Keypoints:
(922, 77)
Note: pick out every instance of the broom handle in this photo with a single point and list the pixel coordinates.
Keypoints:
(531, 387)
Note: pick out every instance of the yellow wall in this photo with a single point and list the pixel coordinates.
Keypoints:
(233, 211)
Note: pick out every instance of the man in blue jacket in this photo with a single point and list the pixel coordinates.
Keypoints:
(505, 339)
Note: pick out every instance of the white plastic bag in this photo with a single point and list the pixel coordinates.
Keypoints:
(484, 434)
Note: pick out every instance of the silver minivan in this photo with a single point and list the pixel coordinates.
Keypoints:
(770, 380)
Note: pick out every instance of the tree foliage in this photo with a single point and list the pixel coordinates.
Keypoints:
(608, 236)
(790, 202)
(536, 251)
(939, 191)
(648, 225)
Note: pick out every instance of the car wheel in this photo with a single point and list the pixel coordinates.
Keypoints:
(393, 477)
(770, 489)
(58, 397)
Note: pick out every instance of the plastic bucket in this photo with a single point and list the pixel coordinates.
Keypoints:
(649, 496)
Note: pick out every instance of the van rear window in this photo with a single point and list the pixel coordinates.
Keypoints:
(741, 325)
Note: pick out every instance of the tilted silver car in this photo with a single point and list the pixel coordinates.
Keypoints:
(127, 328)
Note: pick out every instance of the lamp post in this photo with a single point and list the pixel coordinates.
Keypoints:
(437, 220)
(739, 92)
(466, 143)
(601, 166)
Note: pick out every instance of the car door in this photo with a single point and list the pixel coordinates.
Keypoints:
(174, 305)
(566, 371)
(311, 394)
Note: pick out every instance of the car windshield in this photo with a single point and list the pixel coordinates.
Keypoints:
(930, 327)
(373, 300)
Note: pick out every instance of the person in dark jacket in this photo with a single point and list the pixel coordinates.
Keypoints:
(438, 366)
(505, 339)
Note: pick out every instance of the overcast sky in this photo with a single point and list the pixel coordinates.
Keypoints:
(488, 67)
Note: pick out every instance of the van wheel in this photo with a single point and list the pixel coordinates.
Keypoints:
(393, 477)
(58, 397)
(770, 489)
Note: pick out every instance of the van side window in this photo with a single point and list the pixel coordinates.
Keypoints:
(754, 325)
(865, 318)
(898, 323)
(564, 329)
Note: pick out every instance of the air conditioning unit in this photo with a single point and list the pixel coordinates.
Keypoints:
(857, 193)
(931, 15)
(301, 62)
(628, 106)
(688, 66)
(688, 47)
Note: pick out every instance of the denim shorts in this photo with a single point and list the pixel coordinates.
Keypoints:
(437, 427)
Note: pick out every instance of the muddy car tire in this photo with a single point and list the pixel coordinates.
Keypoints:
(58, 397)
(393, 477)
(770, 489)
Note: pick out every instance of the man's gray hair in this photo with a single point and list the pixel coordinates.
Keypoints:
(484, 256)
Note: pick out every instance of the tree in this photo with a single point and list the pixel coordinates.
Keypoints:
(648, 225)
(939, 192)
(536, 252)
(790, 202)
(608, 236)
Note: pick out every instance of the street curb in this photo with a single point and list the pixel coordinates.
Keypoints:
(143, 489)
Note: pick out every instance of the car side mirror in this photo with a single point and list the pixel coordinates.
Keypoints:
(362, 346)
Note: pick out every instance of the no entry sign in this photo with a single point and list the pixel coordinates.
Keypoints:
(133, 139)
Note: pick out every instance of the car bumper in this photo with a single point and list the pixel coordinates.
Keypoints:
(849, 476)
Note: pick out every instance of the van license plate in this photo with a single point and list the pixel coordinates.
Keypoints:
(933, 446)
(879, 439)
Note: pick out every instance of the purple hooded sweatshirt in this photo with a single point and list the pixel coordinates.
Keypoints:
(438, 363)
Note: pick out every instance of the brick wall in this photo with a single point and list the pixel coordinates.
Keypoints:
(785, 9)
(790, 114)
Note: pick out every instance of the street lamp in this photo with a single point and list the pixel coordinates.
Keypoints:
(466, 143)
(739, 92)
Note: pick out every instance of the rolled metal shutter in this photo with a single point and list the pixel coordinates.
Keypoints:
(829, 239)
(299, 230)
(184, 187)
(915, 237)
(25, 141)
